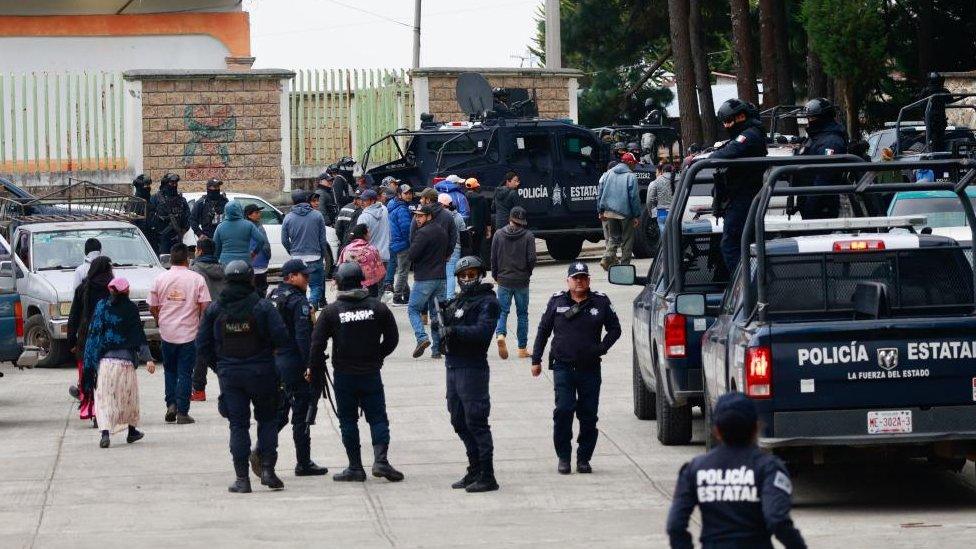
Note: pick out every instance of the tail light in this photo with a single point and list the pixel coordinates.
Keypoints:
(675, 336)
(858, 245)
(759, 372)
(19, 319)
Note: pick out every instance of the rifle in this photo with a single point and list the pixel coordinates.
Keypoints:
(441, 324)
(320, 386)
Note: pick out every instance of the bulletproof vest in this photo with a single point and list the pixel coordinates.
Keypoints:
(280, 299)
(241, 337)
(213, 211)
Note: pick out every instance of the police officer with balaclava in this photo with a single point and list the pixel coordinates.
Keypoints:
(742, 492)
(825, 137)
(239, 333)
(208, 211)
(746, 139)
(141, 189)
(363, 333)
(468, 327)
(170, 214)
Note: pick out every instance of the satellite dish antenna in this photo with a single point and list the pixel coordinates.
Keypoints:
(474, 94)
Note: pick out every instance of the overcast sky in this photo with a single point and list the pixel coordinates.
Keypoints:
(379, 33)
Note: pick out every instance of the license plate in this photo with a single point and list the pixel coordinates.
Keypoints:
(889, 422)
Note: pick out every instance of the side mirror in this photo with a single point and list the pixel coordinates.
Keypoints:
(625, 275)
(690, 304)
(165, 260)
(7, 281)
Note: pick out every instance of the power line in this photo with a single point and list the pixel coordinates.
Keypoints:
(374, 14)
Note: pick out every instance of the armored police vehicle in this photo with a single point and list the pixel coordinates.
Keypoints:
(851, 342)
(559, 163)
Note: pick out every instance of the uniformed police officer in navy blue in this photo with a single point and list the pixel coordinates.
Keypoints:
(468, 328)
(825, 137)
(746, 139)
(363, 333)
(743, 493)
(576, 318)
(292, 360)
(239, 333)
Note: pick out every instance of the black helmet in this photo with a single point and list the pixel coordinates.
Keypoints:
(298, 196)
(169, 179)
(619, 145)
(349, 276)
(238, 271)
(819, 107)
(469, 262)
(142, 180)
(214, 182)
(633, 146)
(732, 108)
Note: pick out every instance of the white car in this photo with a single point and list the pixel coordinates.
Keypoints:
(271, 219)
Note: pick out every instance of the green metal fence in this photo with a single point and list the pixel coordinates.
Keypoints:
(61, 122)
(339, 112)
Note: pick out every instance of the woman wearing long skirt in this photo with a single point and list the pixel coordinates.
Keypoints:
(92, 289)
(116, 345)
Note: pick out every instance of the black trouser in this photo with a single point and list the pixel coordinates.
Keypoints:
(239, 389)
(200, 376)
(732, 224)
(577, 393)
(297, 399)
(469, 404)
(355, 391)
(261, 284)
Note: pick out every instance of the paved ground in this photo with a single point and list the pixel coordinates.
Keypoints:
(58, 489)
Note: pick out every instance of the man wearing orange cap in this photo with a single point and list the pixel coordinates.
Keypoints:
(480, 221)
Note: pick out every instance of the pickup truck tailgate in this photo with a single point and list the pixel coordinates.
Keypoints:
(874, 363)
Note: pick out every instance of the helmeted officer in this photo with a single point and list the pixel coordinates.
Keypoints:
(141, 187)
(208, 212)
(577, 319)
(292, 360)
(239, 333)
(825, 137)
(467, 330)
(170, 214)
(743, 493)
(746, 139)
(363, 333)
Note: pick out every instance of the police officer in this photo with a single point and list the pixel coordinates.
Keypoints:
(746, 139)
(208, 212)
(576, 318)
(239, 333)
(825, 137)
(467, 329)
(363, 333)
(170, 214)
(141, 189)
(743, 493)
(292, 361)
(935, 112)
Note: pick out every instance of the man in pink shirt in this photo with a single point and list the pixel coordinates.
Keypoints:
(177, 301)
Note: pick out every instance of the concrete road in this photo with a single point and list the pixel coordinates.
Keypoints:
(58, 489)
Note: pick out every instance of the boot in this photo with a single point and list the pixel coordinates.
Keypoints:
(524, 353)
(243, 483)
(134, 435)
(583, 467)
(564, 468)
(310, 469)
(502, 347)
(382, 467)
(268, 476)
(355, 471)
(255, 459)
(170, 416)
(472, 475)
(305, 467)
(106, 441)
(486, 481)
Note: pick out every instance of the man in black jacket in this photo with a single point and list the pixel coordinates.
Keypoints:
(208, 211)
(170, 214)
(825, 137)
(480, 217)
(347, 218)
(506, 198)
(328, 201)
(429, 262)
(441, 217)
(363, 333)
(470, 320)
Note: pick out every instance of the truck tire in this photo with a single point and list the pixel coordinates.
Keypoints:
(564, 248)
(647, 236)
(673, 424)
(644, 405)
(54, 352)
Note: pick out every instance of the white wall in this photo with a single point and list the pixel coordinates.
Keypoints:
(111, 53)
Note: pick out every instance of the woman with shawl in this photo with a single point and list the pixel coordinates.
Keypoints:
(92, 289)
(116, 344)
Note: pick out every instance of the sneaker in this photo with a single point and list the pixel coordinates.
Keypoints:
(184, 419)
(170, 416)
(502, 347)
(198, 396)
(134, 436)
(421, 347)
(74, 392)
(524, 353)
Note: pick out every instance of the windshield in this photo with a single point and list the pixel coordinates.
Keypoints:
(939, 211)
(66, 249)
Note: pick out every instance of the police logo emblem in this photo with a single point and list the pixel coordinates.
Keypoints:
(579, 266)
(594, 311)
(888, 358)
(305, 310)
(557, 196)
(828, 152)
(459, 313)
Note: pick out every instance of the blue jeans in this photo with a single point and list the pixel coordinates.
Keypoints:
(422, 300)
(577, 393)
(662, 219)
(316, 283)
(365, 391)
(391, 267)
(178, 361)
(449, 271)
(732, 226)
(521, 296)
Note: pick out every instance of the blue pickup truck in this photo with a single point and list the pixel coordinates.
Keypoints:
(11, 312)
(852, 341)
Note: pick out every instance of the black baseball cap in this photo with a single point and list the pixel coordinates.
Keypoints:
(427, 209)
(293, 266)
(251, 208)
(734, 410)
(578, 268)
(518, 215)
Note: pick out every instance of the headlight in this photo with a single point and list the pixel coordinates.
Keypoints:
(59, 310)
(65, 308)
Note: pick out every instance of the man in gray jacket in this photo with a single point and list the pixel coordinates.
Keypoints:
(303, 236)
(512, 261)
(618, 204)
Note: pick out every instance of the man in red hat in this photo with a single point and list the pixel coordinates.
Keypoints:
(618, 204)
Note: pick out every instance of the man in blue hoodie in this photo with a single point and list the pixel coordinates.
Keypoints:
(303, 236)
(618, 204)
(232, 238)
(261, 254)
(400, 218)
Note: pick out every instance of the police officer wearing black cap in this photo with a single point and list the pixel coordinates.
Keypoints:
(576, 318)
(824, 137)
(328, 200)
(746, 139)
(141, 189)
(467, 326)
(363, 333)
(743, 493)
(208, 211)
(292, 360)
(170, 214)
(239, 333)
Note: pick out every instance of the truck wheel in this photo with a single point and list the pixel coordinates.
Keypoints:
(54, 352)
(564, 248)
(647, 236)
(644, 405)
(673, 424)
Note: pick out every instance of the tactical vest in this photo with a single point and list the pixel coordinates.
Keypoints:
(241, 337)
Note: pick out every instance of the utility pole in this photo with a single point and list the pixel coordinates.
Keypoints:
(554, 52)
(416, 34)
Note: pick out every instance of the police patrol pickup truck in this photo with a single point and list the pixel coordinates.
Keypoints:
(851, 341)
